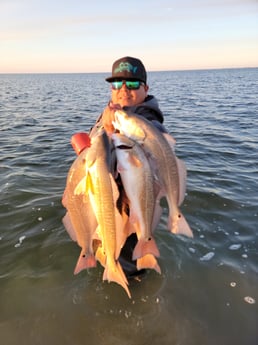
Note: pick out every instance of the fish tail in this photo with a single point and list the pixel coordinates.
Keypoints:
(101, 256)
(144, 247)
(180, 226)
(116, 274)
(85, 261)
(148, 261)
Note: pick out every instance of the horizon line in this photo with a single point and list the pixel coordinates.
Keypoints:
(149, 71)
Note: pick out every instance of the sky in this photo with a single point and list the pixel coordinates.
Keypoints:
(80, 36)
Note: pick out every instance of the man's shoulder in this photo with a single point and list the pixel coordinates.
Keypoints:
(150, 109)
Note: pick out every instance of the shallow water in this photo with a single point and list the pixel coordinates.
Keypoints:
(208, 290)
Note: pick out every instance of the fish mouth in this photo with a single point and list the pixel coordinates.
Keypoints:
(124, 147)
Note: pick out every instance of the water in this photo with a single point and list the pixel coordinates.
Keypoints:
(208, 290)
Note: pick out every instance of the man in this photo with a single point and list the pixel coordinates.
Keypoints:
(129, 91)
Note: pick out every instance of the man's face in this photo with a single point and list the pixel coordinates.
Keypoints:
(129, 97)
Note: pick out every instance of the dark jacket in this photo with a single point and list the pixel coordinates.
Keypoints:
(148, 109)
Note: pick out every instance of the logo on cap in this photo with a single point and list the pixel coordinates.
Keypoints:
(125, 66)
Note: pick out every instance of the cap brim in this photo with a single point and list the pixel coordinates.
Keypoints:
(111, 79)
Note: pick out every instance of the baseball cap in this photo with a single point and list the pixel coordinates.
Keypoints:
(128, 68)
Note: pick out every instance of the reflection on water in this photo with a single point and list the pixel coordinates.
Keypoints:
(207, 292)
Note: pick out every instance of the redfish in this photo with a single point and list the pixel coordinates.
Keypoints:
(138, 182)
(79, 221)
(164, 163)
(99, 185)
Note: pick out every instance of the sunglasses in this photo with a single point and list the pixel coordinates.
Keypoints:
(130, 84)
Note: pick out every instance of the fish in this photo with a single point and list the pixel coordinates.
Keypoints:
(164, 162)
(99, 184)
(138, 183)
(148, 261)
(79, 221)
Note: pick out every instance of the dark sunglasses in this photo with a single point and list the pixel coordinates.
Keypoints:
(130, 84)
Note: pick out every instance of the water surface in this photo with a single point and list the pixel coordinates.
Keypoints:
(207, 292)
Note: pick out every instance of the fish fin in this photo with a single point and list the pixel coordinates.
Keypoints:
(85, 261)
(64, 199)
(69, 226)
(180, 227)
(114, 189)
(156, 215)
(182, 180)
(144, 247)
(89, 184)
(120, 233)
(148, 261)
(98, 234)
(84, 186)
(129, 228)
(101, 256)
(81, 187)
(116, 275)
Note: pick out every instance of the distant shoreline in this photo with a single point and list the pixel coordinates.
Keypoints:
(159, 71)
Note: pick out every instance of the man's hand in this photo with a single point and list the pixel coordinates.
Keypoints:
(108, 116)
